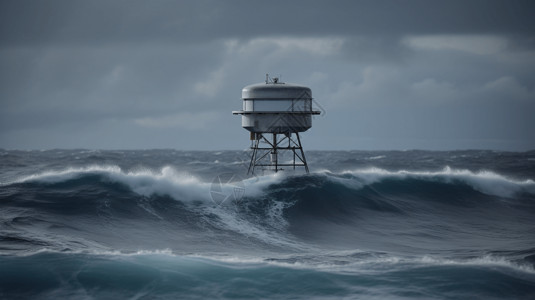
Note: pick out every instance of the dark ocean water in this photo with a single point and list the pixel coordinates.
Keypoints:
(164, 224)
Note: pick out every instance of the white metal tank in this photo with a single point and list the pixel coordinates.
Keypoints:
(276, 107)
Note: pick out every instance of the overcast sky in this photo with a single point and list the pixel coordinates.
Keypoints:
(437, 75)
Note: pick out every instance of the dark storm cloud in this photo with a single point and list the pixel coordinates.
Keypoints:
(30, 22)
(148, 74)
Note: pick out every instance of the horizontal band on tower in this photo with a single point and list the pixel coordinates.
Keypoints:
(303, 112)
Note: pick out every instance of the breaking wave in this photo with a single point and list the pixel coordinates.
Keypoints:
(161, 231)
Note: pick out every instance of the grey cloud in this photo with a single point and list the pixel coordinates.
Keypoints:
(83, 76)
(179, 21)
(136, 74)
(376, 49)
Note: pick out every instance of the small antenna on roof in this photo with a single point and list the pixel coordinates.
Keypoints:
(267, 78)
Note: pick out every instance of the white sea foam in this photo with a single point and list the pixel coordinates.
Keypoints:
(230, 220)
(376, 157)
(101, 252)
(184, 186)
(64, 174)
(487, 261)
(484, 181)
(166, 181)
(326, 261)
(372, 264)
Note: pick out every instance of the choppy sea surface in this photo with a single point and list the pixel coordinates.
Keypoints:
(166, 224)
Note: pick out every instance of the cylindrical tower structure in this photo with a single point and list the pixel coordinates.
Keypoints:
(276, 108)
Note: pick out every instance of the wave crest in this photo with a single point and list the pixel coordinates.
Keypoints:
(486, 182)
(187, 187)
